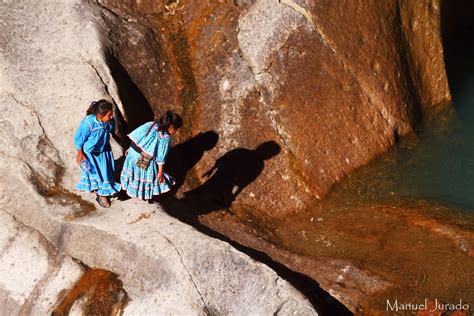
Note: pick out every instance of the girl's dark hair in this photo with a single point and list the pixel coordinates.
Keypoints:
(166, 120)
(99, 107)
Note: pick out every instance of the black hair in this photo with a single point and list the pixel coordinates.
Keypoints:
(166, 121)
(99, 107)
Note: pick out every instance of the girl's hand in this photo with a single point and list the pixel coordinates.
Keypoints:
(126, 152)
(160, 177)
(80, 157)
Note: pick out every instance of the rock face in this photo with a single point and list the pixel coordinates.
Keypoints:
(333, 84)
(53, 65)
(32, 273)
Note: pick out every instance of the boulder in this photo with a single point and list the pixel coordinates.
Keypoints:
(32, 273)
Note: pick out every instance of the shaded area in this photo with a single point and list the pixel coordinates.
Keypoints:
(136, 106)
(230, 174)
(457, 24)
(184, 156)
(226, 179)
(100, 292)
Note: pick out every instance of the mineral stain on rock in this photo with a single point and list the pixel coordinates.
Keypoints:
(53, 192)
(98, 292)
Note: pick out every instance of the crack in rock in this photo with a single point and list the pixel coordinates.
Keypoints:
(104, 84)
(56, 160)
(297, 8)
(37, 116)
(53, 257)
(207, 310)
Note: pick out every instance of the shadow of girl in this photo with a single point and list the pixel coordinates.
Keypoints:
(227, 178)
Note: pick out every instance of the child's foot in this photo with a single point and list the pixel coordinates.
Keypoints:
(103, 201)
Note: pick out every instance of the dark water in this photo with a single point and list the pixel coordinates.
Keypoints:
(437, 163)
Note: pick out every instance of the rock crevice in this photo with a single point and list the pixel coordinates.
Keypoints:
(206, 308)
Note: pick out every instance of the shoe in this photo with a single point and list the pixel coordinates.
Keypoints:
(101, 202)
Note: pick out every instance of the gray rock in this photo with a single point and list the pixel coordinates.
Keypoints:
(32, 276)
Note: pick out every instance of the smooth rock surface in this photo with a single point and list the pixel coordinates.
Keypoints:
(32, 274)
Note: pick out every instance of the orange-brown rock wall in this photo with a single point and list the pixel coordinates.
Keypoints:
(334, 83)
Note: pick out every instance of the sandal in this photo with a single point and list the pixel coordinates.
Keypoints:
(101, 201)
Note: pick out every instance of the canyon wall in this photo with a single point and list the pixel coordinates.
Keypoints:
(334, 84)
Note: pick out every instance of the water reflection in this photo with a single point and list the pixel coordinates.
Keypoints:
(438, 162)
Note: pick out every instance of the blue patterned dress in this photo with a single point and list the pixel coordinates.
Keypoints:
(93, 137)
(141, 183)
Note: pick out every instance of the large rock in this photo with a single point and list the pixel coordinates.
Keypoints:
(334, 84)
(53, 65)
(32, 273)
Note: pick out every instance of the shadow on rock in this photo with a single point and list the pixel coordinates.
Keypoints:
(225, 180)
(183, 157)
(229, 176)
(136, 107)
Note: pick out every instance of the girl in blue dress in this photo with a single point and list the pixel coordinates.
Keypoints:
(142, 174)
(94, 154)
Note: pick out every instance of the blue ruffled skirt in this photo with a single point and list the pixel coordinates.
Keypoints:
(141, 183)
(100, 178)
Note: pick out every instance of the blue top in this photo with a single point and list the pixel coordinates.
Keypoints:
(93, 136)
(156, 143)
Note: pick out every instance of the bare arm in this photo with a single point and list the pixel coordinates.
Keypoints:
(80, 156)
(160, 174)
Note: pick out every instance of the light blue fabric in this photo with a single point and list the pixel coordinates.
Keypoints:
(141, 183)
(93, 137)
(154, 143)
